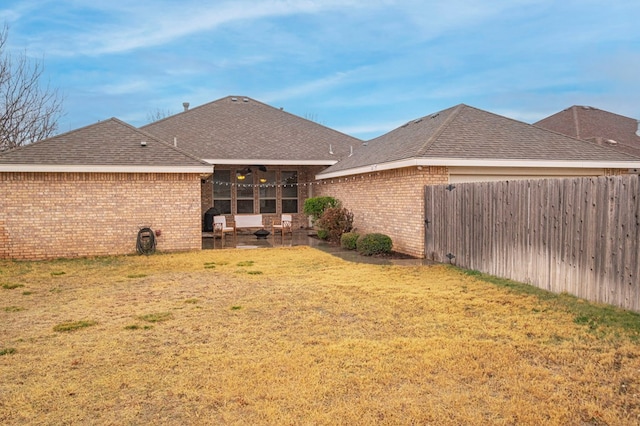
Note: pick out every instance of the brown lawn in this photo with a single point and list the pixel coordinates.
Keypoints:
(296, 336)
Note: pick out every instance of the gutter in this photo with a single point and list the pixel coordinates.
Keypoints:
(457, 162)
(45, 168)
(244, 162)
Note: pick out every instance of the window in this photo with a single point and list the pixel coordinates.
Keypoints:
(289, 192)
(222, 191)
(244, 191)
(267, 192)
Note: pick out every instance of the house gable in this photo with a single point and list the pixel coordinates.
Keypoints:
(464, 136)
(241, 130)
(108, 146)
(605, 128)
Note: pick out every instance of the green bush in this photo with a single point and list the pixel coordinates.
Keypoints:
(315, 206)
(336, 221)
(348, 240)
(323, 234)
(371, 244)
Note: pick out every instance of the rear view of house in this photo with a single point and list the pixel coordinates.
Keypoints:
(90, 191)
(383, 182)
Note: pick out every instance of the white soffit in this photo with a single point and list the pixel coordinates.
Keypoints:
(244, 162)
(45, 168)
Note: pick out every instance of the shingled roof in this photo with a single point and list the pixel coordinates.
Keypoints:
(603, 127)
(241, 130)
(109, 146)
(467, 136)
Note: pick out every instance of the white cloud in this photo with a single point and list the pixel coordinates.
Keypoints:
(142, 24)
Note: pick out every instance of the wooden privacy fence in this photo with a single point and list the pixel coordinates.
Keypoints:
(578, 236)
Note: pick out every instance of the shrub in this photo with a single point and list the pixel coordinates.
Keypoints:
(315, 206)
(336, 221)
(371, 244)
(323, 234)
(348, 240)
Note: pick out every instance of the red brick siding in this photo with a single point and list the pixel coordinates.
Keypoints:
(389, 202)
(50, 215)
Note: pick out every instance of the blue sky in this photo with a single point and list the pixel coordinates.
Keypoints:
(361, 67)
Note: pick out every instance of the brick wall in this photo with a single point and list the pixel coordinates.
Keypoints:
(50, 215)
(389, 202)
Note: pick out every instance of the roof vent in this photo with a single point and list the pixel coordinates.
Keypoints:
(185, 105)
(435, 115)
(234, 99)
(245, 99)
(612, 142)
(143, 143)
(417, 121)
(638, 131)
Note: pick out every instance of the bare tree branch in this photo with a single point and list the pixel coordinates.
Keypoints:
(29, 111)
(158, 114)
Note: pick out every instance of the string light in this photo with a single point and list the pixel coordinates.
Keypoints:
(290, 184)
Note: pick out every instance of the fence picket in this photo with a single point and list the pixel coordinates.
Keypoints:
(575, 235)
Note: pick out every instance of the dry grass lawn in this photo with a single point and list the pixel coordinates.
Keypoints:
(295, 336)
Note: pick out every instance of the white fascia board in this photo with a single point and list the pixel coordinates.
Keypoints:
(457, 162)
(244, 162)
(525, 171)
(45, 168)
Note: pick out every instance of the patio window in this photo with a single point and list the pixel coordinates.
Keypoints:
(289, 192)
(267, 192)
(222, 191)
(244, 192)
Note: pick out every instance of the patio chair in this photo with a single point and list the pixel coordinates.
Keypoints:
(283, 225)
(220, 226)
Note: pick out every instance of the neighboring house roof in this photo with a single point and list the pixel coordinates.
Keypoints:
(593, 124)
(241, 130)
(107, 146)
(467, 136)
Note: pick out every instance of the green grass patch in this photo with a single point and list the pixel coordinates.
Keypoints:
(136, 275)
(27, 293)
(7, 351)
(11, 286)
(254, 272)
(156, 317)
(73, 325)
(13, 309)
(57, 273)
(245, 263)
(236, 308)
(191, 301)
(595, 316)
(138, 327)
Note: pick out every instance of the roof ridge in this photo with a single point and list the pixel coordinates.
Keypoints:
(593, 143)
(157, 139)
(231, 97)
(68, 132)
(435, 135)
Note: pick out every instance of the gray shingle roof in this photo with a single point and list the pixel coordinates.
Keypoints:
(603, 127)
(109, 145)
(465, 133)
(238, 128)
